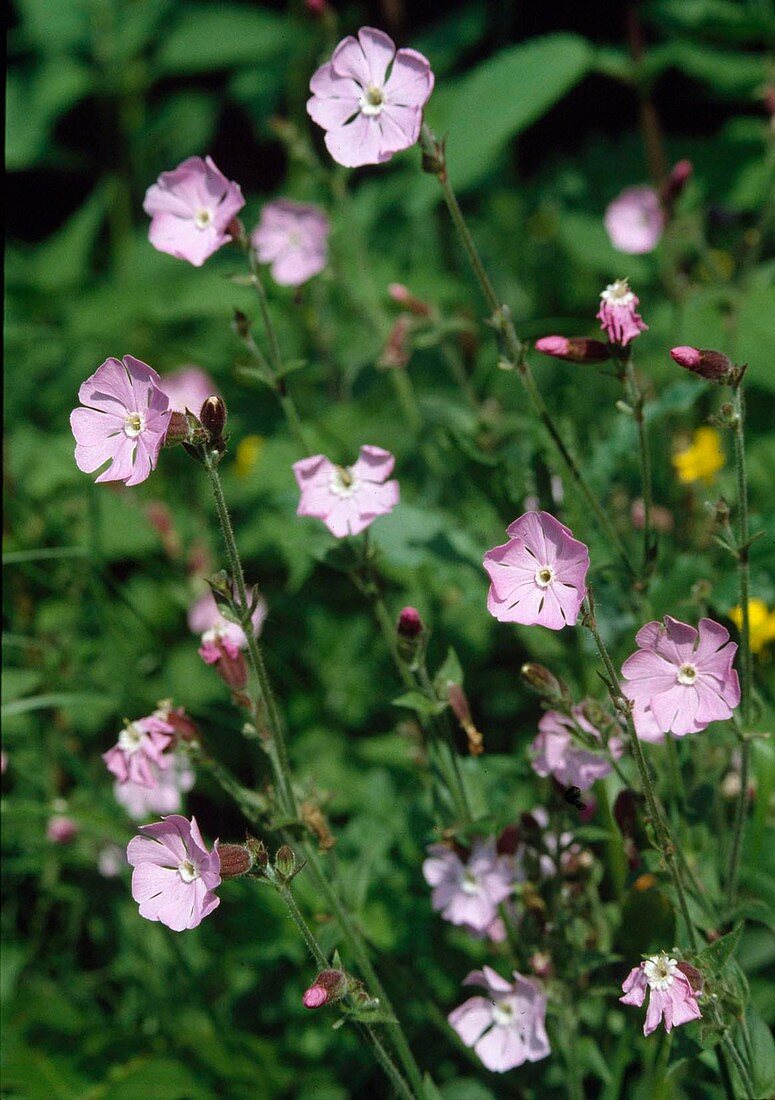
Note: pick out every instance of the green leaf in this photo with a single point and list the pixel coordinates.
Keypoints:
(220, 36)
(421, 704)
(483, 110)
(35, 101)
(762, 1053)
(451, 671)
(715, 955)
(724, 20)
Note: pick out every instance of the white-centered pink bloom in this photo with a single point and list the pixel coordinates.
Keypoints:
(191, 209)
(468, 892)
(682, 676)
(219, 635)
(507, 1026)
(539, 575)
(560, 754)
(672, 1000)
(347, 498)
(141, 744)
(174, 874)
(618, 314)
(293, 238)
(164, 798)
(369, 98)
(635, 221)
(124, 421)
(188, 388)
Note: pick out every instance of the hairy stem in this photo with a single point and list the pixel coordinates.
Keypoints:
(644, 450)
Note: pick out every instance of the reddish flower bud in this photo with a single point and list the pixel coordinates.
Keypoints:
(713, 366)
(542, 681)
(232, 670)
(177, 429)
(575, 349)
(213, 417)
(61, 829)
(693, 976)
(409, 623)
(236, 860)
(462, 711)
(396, 352)
(680, 174)
(329, 986)
(403, 296)
(508, 841)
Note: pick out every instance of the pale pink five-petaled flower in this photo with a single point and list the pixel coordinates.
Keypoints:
(188, 388)
(369, 98)
(140, 745)
(681, 679)
(635, 221)
(618, 314)
(347, 498)
(166, 797)
(125, 421)
(506, 1027)
(174, 874)
(538, 576)
(293, 238)
(671, 997)
(561, 754)
(468, 892)
(191, 209)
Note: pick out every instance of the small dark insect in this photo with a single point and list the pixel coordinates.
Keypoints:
(573, 796)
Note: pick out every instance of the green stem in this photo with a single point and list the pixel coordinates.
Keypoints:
(746, 660)
(636, 398)
(661, 828)
(675, 772)
(739, 1064)
(501, 318)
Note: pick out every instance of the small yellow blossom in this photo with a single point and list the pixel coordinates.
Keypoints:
(701, 460)
(248, 453)
(761, 623)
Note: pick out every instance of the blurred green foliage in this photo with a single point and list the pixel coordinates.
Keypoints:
(102, 96)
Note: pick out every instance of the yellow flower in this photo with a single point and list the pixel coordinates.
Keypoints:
(701, 460)
(248, 453)
(761, 623)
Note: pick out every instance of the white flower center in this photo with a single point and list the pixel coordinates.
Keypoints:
(130, 739)
(502, 1014)
(294, 238)
(468, 884)
(134, 423)
(659, 971)
(544, 576)
(687, 674)
(618, 293)
(372, 101)
(203, 218)
(342, 483)
(187, 871)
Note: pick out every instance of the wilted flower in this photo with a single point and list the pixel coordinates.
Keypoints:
(559, 755)
(761, 623)
(347, 498)
(634, 220)
(507, 1026)
(682, 676)
(124, 422)
(174, 873)
(369, 98)
(61, 829)
(293, 238)
(191, 209)
(672, 1000)
(141, 744)
(165, 798)
(618, 314)
(702, 460)
(538, 576)
(468, 892)
(187, 388)
(219, 635)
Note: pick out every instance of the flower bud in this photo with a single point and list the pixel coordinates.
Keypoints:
(680, 174)
(236, 860)
(397, 352)
(213, 417)
(543, 682)
(410, 629)
(692, 975)
(285, 862)
(403, 296)
(328, 987)
(258, 851)
(575, 349)
(434, 160)
(232, 670)
(508, 841)
(711, 365)
(462, 711)
(61, 829)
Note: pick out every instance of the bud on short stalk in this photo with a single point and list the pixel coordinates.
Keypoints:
(574, 349)
(285, 865)
(711, 365)
(213, 417)
(236, 860)
(543, 682)
(402, 296)
(410, 631)
(328, 988)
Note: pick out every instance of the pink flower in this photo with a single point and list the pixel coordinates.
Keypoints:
(219, 635)
(164, 798)
(111, 860)
(469, 893)
(368, 114)
(560, 754)
(507, 1026)
(672, 1000)
(618, 314)
(126, 420)
(329, 986)
(174, 874)
(538, 576)
(61, 829)
(187, 388)
(682, 676)
(347, 498)
(141, 744)
(293, 238)
(191, 209)
(634, 221)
